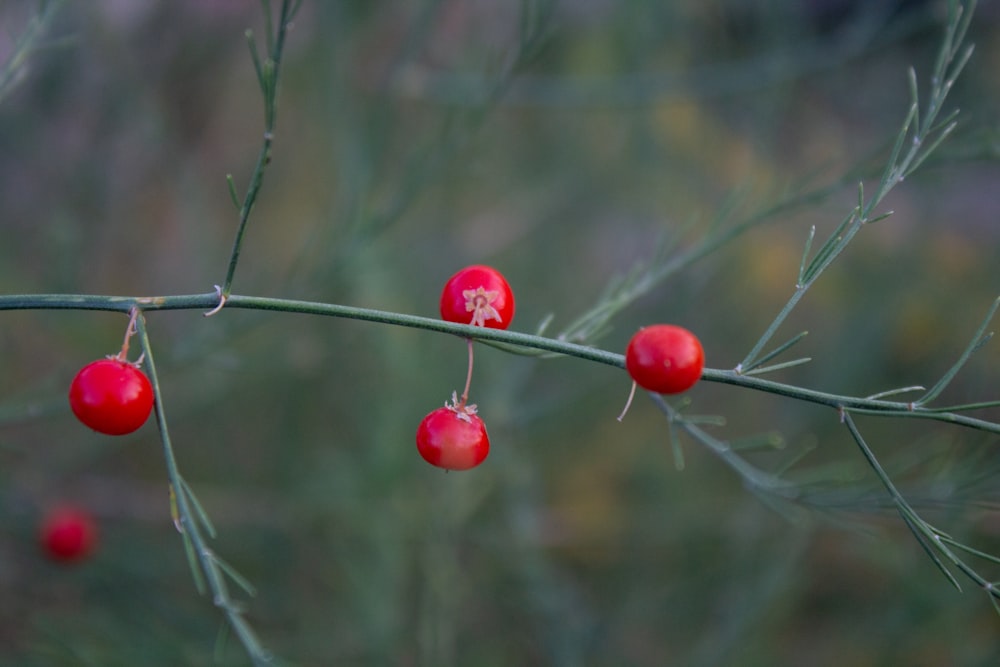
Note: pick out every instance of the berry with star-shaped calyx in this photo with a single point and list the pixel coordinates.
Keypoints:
(478, 295)
(453, 437)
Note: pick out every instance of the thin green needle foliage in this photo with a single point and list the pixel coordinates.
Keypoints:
(26, 44)
(918, 138)
(267, 70)
(937, 544)
(979, 339)
(190, 519)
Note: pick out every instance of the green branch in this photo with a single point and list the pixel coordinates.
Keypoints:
(189, 519)
(521, 342)
(26, 45)
(934, 542)
(918, 137)
(267, 76)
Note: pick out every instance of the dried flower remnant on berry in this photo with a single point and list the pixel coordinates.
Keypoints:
(479, 302)
(478, 295)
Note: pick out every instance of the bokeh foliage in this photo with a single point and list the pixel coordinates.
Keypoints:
(412, 140)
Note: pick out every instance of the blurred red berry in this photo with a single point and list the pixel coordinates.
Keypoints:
(68, 534)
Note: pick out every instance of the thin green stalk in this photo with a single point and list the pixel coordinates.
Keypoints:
(26, 43)
(639, 282)
(267, 75)
(513, 338)
(908, 151)
(933, 541)
(978, 339)
(750, 359)
(189, 515)
(753, 476)
(761, 370)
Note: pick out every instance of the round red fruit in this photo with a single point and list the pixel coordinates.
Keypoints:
(68, 534)
(478, 295)
(111, 396)
(453, 439)
(665, 358)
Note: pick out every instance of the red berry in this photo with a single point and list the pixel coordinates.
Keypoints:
(68, 534)
(111, 396)
(665, 358)
(478, 295)
(453, 438)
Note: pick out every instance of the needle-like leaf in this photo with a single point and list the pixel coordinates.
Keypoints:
(978, 339)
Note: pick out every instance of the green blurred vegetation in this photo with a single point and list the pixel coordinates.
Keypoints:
(410, 141)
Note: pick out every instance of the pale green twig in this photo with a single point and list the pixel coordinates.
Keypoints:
(208, 569)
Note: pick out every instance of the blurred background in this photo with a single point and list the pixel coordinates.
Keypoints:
(413, 139)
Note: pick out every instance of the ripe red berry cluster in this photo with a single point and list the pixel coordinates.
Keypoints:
(454, 437)
(663, 358)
